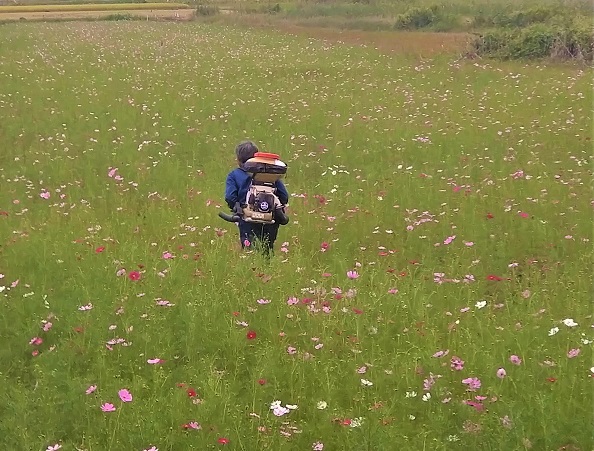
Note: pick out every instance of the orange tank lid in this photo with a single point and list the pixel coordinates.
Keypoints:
(272, 156)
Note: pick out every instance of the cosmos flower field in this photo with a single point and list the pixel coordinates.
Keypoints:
(433, 289)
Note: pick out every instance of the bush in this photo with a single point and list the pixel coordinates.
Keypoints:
(207, 10)
(516, 19)
(274, 9)
(416, 18)
(537, 41)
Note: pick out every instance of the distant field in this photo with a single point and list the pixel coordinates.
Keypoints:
(92, 7)
(155, 14)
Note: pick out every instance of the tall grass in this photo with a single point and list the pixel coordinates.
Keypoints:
(440, 235)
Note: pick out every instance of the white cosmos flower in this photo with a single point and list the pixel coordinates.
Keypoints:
(569, 322)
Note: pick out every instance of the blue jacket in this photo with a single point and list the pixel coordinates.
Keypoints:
(238, 183)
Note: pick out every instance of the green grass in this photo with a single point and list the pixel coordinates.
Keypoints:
(372, 142)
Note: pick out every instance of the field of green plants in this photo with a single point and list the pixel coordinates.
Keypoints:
(432, 291)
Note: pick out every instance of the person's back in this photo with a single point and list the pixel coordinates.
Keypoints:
(238, 184)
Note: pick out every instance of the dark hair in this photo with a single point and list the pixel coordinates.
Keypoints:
(245, 150)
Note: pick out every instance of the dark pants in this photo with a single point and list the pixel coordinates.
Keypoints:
(258, 235)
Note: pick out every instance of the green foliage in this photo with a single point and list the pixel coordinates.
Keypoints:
(516, 19)
(207, 10)
(119, 16)
(416, 18)
(537, 41)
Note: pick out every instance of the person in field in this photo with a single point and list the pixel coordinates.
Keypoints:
(238, 189)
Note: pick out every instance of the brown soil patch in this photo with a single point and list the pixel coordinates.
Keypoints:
(177, 14)
(413, 43)
(403, 42)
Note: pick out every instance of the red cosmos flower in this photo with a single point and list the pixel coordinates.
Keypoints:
(3, 213)
(134, 275)
(223, 440)
(358, 311)
(494, 277)
(99, 249)
(551, 379)
(262, 381)
(490, 216)
(251, 335)
(191, 392)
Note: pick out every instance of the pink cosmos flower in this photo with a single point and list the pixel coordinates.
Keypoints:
(55, 447)
(83, 308)
(154, 361)
(47, 326)
(45, 195)
(393, 291)
(449, 239)
(477, 405)
(573, 353)
(292, 301)
(152, 448)
(168, 255)
(457, 363)
(263, 301)
(108, 407)
(91, 389)
(192, 425)
(352, 274)
(291, 350)
(515, 360)
(125, 395)
(317, 446)
(36, 341)
(501, 373)
(473, 383)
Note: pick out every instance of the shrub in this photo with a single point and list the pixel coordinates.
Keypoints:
(207, 10)
(537, 41)
(416, 18)
(274, 9)
(515, 19)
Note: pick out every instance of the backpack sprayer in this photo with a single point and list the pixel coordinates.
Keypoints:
(261, 205)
